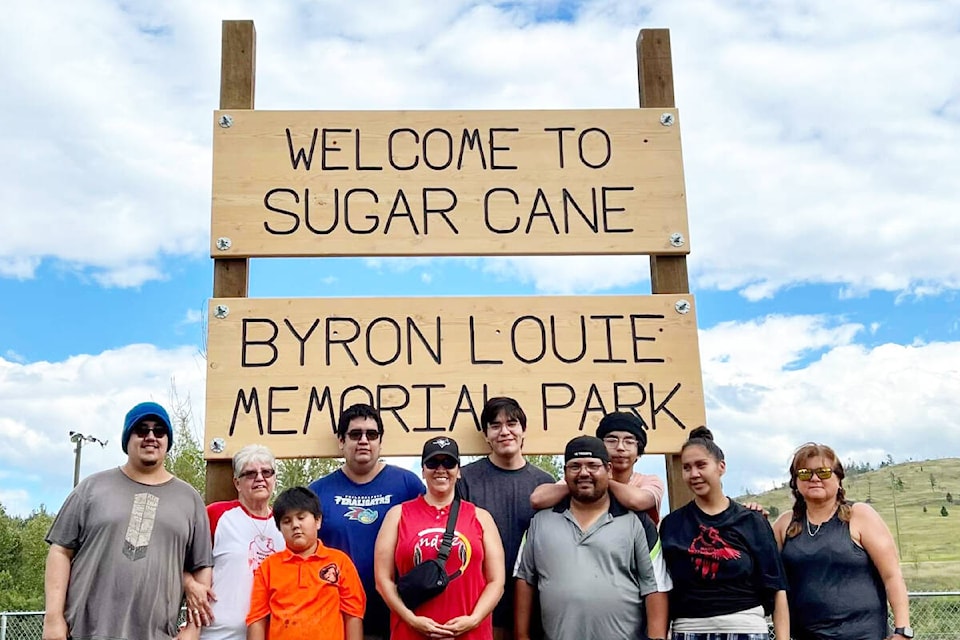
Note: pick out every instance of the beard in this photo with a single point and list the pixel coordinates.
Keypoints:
(587, 494)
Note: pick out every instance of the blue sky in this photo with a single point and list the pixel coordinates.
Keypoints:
(821, 149)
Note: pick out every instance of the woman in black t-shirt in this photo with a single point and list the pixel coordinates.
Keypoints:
(840, 559)
(722, 557)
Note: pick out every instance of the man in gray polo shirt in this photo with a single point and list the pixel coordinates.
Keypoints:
(589, 559)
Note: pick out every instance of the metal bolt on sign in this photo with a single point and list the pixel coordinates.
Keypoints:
(226, 121)
(682, 307)
(224, 243)
(217, 445)
(666, 119)
(221, 311)
(677, 239)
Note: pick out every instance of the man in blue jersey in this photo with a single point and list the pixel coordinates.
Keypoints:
(356, 497)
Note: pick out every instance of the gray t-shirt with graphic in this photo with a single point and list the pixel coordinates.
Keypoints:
(131, 542)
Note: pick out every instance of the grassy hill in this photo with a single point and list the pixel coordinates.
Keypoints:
(909, 497)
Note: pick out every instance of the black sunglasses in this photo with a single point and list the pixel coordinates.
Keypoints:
(159, 431)
(372, 434)
(441, 461)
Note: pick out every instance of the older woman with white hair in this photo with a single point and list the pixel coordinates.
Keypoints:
(244, 533)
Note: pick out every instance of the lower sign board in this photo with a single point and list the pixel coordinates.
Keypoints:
(280, 371)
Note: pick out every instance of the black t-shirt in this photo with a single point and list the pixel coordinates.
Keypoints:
(505, 493)
(720, 564)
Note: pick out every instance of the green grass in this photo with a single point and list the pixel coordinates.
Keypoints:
(929, 543)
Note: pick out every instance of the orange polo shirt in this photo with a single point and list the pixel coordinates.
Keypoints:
(305, 597)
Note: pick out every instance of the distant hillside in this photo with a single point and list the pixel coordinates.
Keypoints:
(929, 542)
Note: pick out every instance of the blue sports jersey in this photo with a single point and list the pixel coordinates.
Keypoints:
(352, 514)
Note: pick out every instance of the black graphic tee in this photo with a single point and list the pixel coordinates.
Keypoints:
(720, 564)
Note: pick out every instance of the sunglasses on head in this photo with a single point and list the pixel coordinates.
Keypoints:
(824, 473)
(356, 434)
(158, 431)
(253, 473)
(445, 461)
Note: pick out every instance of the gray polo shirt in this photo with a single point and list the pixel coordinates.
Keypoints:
(590, 583)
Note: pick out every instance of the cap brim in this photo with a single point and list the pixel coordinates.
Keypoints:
(437, 454)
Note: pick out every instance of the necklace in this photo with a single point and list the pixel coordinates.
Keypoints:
(813, 532)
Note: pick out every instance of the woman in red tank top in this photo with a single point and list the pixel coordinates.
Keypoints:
(412, 533)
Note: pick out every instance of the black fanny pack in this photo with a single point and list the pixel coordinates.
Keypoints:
(428, 579)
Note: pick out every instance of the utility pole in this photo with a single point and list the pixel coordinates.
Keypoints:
(78, 439)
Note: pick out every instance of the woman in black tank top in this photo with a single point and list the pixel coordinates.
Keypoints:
(840, 559)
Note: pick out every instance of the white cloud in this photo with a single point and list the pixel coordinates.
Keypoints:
(41, 402)
(193, 316)
(804, 161)
(774, 383)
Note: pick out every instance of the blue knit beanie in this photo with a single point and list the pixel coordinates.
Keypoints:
(140, 412)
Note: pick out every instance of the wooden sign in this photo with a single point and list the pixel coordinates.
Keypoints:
(405, 183)
(280, 371)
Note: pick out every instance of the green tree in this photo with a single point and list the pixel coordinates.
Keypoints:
(185, 458)
(550, 464)
(299, 472)
(943, 511)
(933, 481)
(23, 554)
(949, 497)
(774, 511)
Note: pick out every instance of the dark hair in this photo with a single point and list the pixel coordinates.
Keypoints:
(357, 411)
(703, 437)
(296, 499)
(510, 407)
(801, 455)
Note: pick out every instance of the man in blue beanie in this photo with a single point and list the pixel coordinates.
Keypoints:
(123, 540)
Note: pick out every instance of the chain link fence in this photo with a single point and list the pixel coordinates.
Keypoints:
(933, 616)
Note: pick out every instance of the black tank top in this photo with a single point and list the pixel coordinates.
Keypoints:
(835, 591)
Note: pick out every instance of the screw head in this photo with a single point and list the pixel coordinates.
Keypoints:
(666, 119)
(217, 445)
(682, 306)
(221, 311)
(677, 239)
(226, 121)
(224, 243)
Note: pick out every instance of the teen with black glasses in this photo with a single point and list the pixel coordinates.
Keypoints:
(840, 558)
(412, 533)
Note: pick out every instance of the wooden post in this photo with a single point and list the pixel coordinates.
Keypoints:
(668, 274)
(238, 61)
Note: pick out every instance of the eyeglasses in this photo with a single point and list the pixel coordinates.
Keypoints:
(577, 467)
(445, 461)
(512, 425)
(253, 473)
(614, 441)
(824, 473)
(372, 434)
(158, 432)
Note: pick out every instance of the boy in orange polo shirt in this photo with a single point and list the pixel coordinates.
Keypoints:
(307, 590)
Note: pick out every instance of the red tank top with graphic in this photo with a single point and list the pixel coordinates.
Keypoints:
(419, 536)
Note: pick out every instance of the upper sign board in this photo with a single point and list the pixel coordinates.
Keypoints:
(280, 371)
(414, 183)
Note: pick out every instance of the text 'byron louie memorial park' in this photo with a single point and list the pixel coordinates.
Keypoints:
(359, 182)
(284, 369)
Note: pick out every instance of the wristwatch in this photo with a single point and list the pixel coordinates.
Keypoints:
(906, 632)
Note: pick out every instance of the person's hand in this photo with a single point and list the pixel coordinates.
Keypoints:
(429, 627)
(188, 632)
(461, 624)
(55, 627)
(199, 598)
(756, 506)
